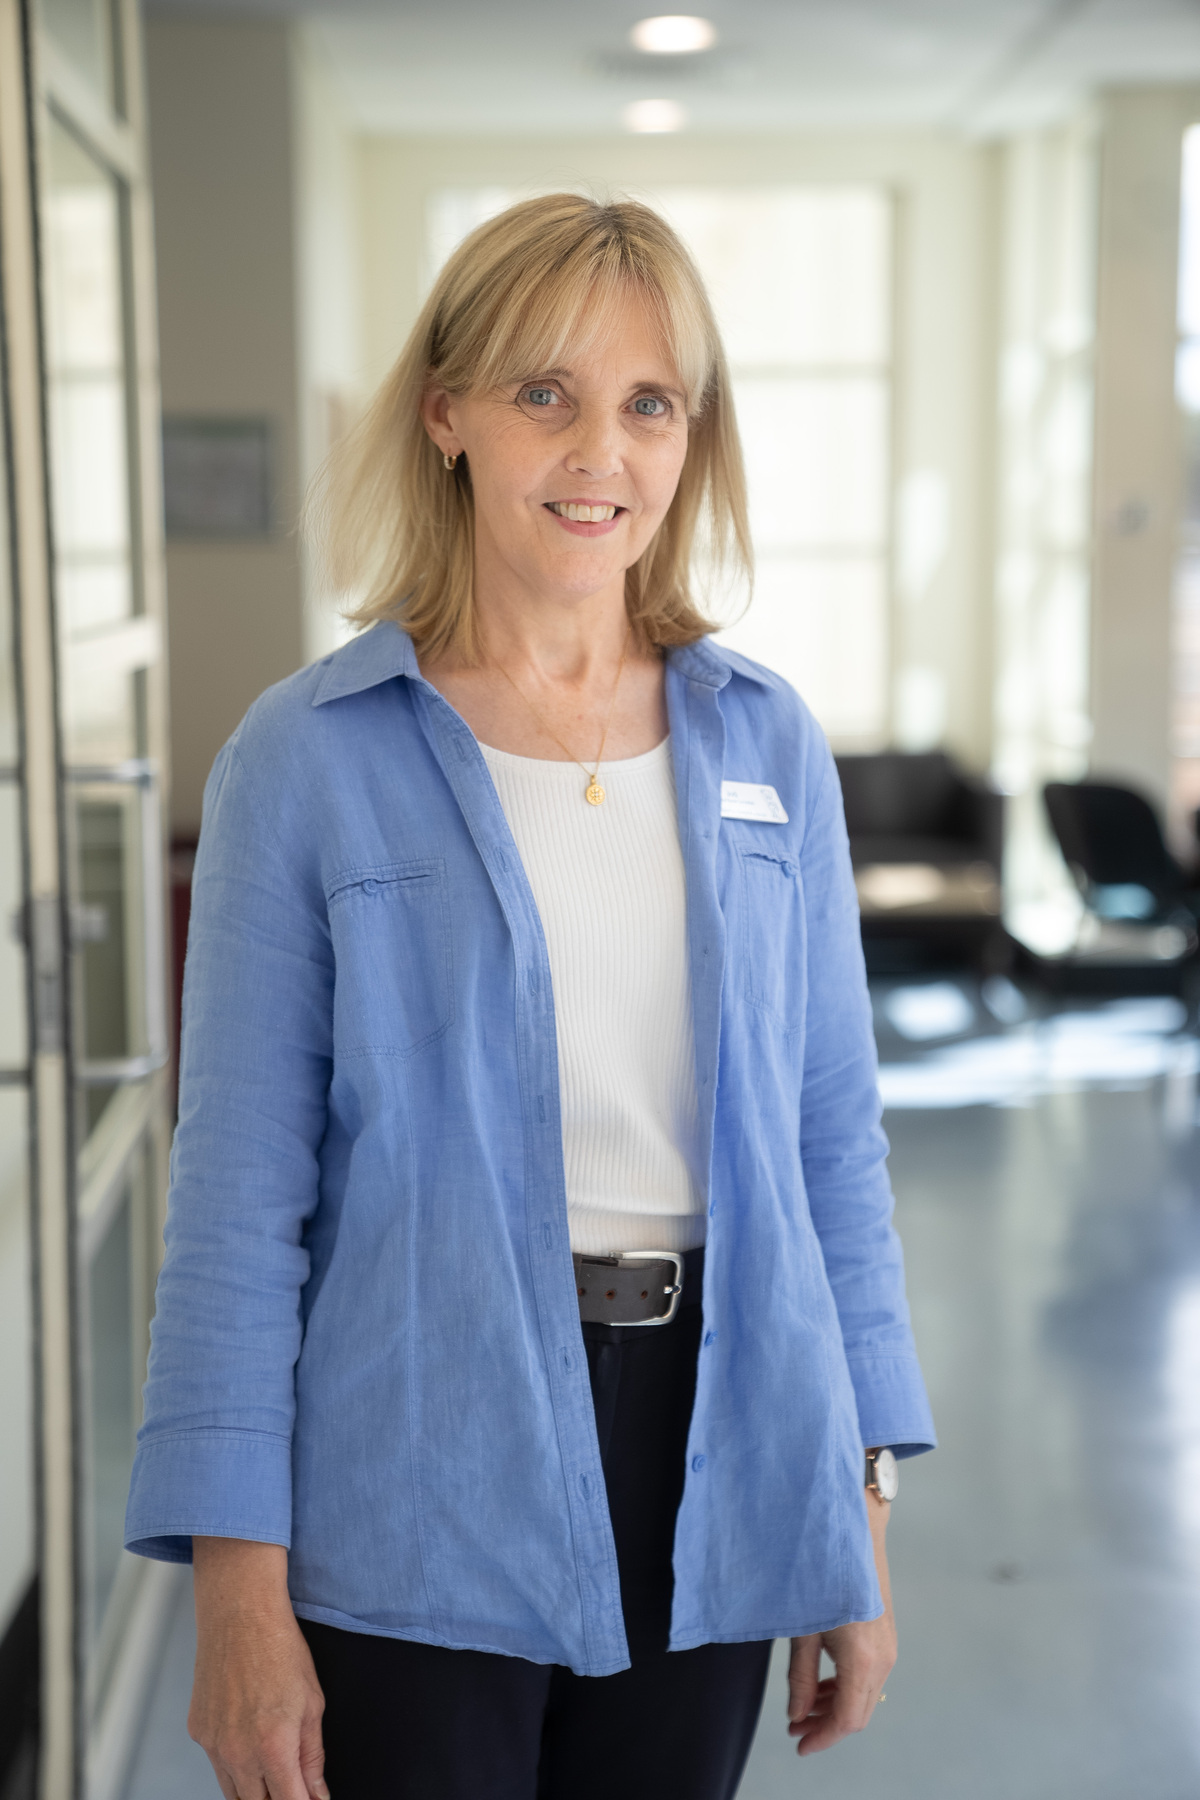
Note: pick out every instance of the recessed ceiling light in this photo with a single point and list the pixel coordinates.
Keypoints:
(673, 34)
(654, 115)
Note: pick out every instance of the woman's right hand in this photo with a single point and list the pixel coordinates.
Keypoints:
(256, 1702)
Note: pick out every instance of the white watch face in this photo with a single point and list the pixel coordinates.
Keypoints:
(887, 1475)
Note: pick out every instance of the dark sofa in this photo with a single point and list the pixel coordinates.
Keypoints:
(927, 844)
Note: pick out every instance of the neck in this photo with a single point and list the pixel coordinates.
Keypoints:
(565, 642)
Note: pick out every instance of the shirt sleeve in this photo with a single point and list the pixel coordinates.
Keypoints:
(214, 1451)
(843, 1147)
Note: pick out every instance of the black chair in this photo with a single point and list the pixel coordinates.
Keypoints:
(926, 841)
(1112, 842)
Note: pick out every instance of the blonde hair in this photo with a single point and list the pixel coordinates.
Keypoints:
(523, 293)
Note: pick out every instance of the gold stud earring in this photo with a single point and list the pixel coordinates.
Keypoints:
(448, 460)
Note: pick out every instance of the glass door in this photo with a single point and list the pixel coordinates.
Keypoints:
(18, 1524)
(98, 349)
(86, 785)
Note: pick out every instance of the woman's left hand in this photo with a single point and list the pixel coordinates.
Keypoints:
(822, 1713)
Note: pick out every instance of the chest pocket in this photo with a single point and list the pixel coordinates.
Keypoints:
(773, 935)
(393, 989)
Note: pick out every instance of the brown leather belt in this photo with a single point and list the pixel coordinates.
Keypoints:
(639, 1287)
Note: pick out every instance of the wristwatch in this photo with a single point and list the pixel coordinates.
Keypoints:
(883, 1473)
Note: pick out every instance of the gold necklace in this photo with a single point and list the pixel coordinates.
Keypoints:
(593, 793)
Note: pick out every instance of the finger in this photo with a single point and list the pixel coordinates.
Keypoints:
(268, 1768)
(821, 1707)
(804, 1667)
(817, 1721)
(225, 1781)
(822, 1737)
(283, 1780)
(852, 1705)
(245, 1783)
(855, 1700)
(281, 1768)
(821, 1732)
(312, 1759)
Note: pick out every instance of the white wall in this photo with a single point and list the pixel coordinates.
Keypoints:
(944, 194)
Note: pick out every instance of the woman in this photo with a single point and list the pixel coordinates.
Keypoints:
(523, 948)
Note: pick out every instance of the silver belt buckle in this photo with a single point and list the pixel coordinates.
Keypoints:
(675, 1291)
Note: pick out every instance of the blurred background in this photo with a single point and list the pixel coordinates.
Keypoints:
(955, 250)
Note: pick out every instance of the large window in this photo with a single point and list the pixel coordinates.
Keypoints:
(1042, 728)
(801, 278)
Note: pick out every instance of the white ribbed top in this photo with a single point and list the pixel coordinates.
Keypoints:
(609, 885)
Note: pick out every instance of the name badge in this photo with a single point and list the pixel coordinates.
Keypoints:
(752, 800)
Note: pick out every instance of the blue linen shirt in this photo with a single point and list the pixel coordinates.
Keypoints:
(367, 1344)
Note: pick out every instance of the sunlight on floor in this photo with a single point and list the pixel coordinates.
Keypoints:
(1121, 1045)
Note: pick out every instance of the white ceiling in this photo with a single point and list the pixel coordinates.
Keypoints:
(565, 66)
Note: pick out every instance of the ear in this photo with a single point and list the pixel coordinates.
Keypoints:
(436, 403)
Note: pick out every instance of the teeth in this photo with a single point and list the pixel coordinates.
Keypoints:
(583, 515)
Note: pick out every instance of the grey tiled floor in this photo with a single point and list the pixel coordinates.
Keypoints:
(1047, 1558)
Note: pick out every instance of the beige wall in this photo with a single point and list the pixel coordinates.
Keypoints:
(944, 356)
(1138, 461)
(333, 379)
(222, 165)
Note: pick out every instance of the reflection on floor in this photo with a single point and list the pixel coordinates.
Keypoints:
(1118, 1044)
(1047, 1558)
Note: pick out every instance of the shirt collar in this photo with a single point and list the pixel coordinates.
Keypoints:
(385, 651)
(368, 659)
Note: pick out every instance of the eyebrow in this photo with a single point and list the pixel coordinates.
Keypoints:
(634, 387)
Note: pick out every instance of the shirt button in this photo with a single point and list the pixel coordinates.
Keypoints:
(710, 1337)
(698, 1463)
(368, 887)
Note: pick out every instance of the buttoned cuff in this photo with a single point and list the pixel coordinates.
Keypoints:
(216, 1482)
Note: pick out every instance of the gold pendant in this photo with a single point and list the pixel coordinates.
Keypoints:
(595, 794)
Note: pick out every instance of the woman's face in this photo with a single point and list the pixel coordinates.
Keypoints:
(573, 469)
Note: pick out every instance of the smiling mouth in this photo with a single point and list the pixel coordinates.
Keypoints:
(583, 515)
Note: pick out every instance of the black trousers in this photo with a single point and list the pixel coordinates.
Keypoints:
(406, 1721)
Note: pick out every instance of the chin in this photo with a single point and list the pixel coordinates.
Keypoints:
(582, 583)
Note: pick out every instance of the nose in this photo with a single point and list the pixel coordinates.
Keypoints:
(596, 450)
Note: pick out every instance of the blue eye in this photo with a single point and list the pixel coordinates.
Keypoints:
(650, 406)
(538, 396)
